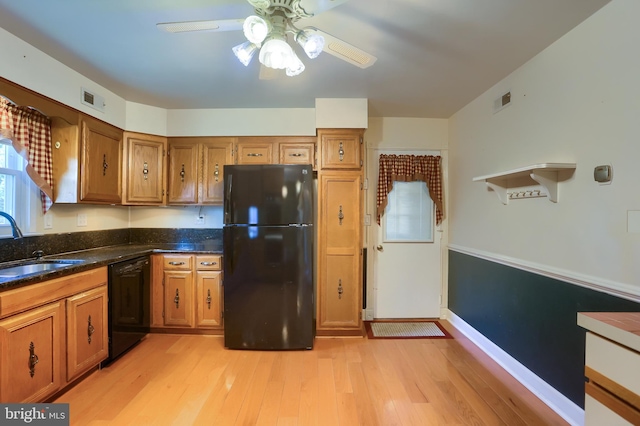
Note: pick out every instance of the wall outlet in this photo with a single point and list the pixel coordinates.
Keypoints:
(199, 220)
(367, 220)
(48, 221)
(82, 219)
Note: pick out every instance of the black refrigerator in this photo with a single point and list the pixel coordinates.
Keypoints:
(268, 248)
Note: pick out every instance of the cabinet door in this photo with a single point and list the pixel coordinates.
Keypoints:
(101, 162)
(144, 169)
(178, 298)
(87, 334)
(30, 351)
(183, 173)
(297, 153)
(209, 299)
(340, 242)
(215, 155)
(340, 149)
(340, 292)
(253, 151)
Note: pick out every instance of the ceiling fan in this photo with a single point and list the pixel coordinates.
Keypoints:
(268, 30)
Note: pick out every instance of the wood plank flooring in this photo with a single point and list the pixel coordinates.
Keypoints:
(193, 380)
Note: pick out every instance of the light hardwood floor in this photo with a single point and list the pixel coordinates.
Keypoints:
(193, 380)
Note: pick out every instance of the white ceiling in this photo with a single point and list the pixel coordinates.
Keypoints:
(434, 56)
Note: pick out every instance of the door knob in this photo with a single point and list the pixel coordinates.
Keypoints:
(379, 248)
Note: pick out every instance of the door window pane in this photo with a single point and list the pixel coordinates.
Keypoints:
(408, 216)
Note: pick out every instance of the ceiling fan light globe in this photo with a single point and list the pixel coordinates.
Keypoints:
(295, 66)
(311, 43)
(245, 52)
(255, 29)
(276, 53)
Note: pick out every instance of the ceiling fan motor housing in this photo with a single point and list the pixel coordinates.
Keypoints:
(291, 8)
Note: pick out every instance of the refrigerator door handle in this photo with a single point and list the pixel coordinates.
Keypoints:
(227, 197)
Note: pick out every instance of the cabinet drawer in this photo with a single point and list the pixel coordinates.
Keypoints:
(255, 153)
(178, 262)
(209, 262)
(298, 153)
(615, 362)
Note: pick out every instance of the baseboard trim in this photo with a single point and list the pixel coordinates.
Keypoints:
(559, 403)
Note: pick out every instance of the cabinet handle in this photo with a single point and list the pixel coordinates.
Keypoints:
(145, 170)
(105, 165)
(208, 263)
(341, 152)
(33, 359)
(209, 298)
(182, 174)
(254, 154)
(176, 263)
(340, 215)
(90, 330)
(340, 289)
(296, 154)
(176, 299)
(216, 173)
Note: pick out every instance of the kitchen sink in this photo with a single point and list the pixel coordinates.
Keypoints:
(35, 266)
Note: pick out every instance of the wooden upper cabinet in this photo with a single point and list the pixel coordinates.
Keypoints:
(254, 151)
(341, 148)
(195, 169)
(215, 155)
(101, 162)
(298, 150)
(183, 172)
(87, 161)
(144, 169)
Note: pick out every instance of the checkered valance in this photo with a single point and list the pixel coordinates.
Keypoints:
(30, 133)
(409, 168)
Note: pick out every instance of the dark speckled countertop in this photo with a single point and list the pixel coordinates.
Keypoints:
(102, 256)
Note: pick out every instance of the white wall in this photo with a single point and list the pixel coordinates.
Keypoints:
(577, 101)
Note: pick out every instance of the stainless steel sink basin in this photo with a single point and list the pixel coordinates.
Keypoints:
(34, 267)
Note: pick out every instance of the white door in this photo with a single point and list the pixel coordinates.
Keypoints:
(407, 276)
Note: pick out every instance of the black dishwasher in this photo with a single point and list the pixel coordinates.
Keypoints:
(129, 305)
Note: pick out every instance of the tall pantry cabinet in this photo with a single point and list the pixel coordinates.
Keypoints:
(340, 208)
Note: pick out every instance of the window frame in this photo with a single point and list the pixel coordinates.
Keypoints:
(25, 195)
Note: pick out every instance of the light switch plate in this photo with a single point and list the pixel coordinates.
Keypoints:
(48, 221)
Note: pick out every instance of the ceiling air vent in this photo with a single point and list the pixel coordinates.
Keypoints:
(502, 102)
(93, 100)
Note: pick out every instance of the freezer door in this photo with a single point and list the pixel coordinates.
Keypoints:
(268, 287)
(269, 194)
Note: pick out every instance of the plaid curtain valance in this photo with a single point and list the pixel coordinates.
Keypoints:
(30, 133)
(410, 168)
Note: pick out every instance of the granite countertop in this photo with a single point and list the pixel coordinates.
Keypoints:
(102, 256)
(620, 327)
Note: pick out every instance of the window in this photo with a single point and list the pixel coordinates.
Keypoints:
(408, 216)
(14, 189)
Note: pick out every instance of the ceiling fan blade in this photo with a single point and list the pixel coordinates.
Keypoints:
(190, 26)
(345, 51)
(315, 7)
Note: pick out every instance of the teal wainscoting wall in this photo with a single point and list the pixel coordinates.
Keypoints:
(529, 316)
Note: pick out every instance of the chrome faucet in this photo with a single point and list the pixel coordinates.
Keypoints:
(14, 226)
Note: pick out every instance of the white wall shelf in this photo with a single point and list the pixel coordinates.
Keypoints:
(545, 175)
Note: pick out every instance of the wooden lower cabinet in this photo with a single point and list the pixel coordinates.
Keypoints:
(30, 348)
(87, 334)
(178, 298)
(189, 293)
(340, 293)
(209, 297)
(45, 331)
